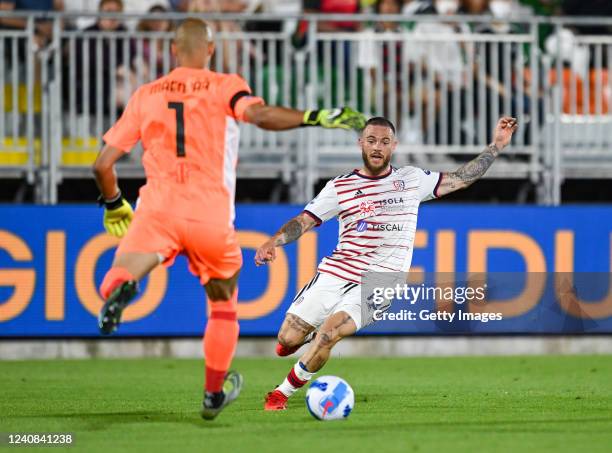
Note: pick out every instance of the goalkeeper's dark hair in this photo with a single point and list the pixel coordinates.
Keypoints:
(380, 121)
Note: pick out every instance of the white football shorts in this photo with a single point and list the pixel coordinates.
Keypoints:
(324, 296)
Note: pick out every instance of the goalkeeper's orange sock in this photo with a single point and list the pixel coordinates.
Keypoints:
(220, 341)
(113, 278)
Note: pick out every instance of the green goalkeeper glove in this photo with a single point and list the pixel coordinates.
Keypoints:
(117, 215)
(343, 118)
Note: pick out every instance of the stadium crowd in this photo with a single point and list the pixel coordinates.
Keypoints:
(446, 62)
(501, 8)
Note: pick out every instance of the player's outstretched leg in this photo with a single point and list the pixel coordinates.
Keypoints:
(293, 334)
(115, 301)
(220, 340)
(120, 285)
(336, 327)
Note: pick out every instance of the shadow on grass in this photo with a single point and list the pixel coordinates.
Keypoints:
(97, 421)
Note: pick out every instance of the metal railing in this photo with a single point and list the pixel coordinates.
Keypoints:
(18, 145)
(442, 81)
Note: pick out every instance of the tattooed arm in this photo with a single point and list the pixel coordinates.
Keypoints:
(289, 232)
(472, 171)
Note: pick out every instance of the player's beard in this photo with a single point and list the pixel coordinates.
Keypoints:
(375, 169)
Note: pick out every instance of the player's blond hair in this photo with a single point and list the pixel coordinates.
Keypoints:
(192, 34)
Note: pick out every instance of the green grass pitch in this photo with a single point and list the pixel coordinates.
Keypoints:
(552, 403)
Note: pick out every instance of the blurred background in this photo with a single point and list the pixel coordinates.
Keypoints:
(443, 71)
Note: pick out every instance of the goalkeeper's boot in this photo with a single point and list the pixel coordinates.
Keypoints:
(214, 403)
(283, 351)
(276, 401)
(110, 315)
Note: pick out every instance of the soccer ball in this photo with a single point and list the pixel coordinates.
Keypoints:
(330, 398)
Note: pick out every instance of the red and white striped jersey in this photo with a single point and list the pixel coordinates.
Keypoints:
(377, 217)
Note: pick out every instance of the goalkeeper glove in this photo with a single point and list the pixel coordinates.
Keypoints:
(343, 118)
(117, 215)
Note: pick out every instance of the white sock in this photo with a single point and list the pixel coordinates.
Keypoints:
(297, 377)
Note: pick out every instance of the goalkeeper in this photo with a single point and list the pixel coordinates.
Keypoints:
(187, 122)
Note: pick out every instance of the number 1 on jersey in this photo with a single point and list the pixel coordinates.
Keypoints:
(180, 127)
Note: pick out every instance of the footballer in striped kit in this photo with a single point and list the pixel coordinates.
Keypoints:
(377, 208)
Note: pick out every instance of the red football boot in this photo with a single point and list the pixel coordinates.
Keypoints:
(275, 401)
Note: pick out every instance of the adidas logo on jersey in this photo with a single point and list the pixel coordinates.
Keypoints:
(359, 192)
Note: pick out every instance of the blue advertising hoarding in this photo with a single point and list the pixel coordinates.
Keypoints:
(52, 259)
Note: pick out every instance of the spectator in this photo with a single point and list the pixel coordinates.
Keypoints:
(539, 8)
(271, 52)
(229, 63)
(596, 8)
(577, 77)
(418, 7)
(440, 64)
(273, 7)
(499, 75)
(146, 57)
(474, 7)
(153, 25)
(329, 69)
(373, 53)
(181, 6)
(91, 46)
(446, 7)
(141, 7)
(43, 28)
(329, 7)
(444, 58)
(501, 8)
(388, 7)
(218, 6)
(80, 6)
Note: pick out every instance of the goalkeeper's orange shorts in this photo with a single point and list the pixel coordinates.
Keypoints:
(212, 250)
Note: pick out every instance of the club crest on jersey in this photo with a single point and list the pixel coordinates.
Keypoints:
(362, 226)
(367, 209)
(399, 186)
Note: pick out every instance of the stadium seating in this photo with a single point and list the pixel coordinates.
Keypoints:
(443, 86)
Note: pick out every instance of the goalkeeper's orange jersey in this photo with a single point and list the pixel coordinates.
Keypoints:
(187, 122)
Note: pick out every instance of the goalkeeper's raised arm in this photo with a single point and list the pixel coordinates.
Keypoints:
(275, 118)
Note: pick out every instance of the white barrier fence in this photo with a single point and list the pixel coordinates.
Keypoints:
(442, 81)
